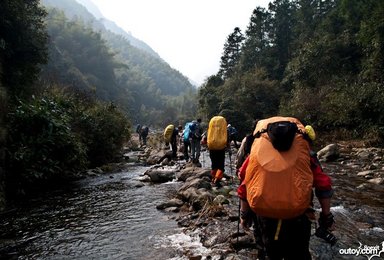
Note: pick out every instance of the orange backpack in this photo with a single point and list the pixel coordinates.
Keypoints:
(279, 183)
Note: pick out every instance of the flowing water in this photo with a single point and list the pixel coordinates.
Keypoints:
(358, 208)
(114, 216)
(106, 217)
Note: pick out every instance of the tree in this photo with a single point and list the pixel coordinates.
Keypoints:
(209, 96)
(23, 40)
(231, 53)
(282, 22)
(256, 41)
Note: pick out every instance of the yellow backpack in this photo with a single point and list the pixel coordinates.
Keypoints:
(217, 133)
(279, 183)
(168, 131)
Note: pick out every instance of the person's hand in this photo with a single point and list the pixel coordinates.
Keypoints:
(327, 221)
(326, 225)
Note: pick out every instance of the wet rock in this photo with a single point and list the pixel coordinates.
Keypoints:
(364, 173)
(329, 153)
(194, 172)
(220, 200)
(172, 209)
(155, 156)
(135, 184)
(376, 180)
(364, 155)
(160, 175)
(171, 203)
(196, 183)
(196, 197)
(144, 178)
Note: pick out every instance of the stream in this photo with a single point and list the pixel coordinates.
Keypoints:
(114, 216)
(105, 217)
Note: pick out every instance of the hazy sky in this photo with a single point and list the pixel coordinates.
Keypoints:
(188, 34)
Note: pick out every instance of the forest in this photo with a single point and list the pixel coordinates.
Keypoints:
(71, 90)
(319, 60)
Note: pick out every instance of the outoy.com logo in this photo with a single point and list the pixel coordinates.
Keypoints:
(369, 251)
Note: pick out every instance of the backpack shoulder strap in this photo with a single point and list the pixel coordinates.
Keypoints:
(258, 134)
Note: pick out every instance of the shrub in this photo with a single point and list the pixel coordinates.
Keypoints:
(41, 145)
(104, 129)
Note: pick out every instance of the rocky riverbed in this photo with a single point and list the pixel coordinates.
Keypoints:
(211, 213)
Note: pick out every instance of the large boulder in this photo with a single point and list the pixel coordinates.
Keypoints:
(329, 153)
(157, 156)
(160, 175)
(194, 172)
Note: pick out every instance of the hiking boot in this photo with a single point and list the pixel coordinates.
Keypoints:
(213, 174)
(219, 175)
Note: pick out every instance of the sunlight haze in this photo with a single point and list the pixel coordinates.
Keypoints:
(188, 35)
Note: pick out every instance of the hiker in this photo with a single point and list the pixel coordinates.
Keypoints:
(232, 135)
(186, 141)
(245, 147)
(170, 135)
(144, 133)
(138, 131)
(285, 229)
(180, 142)
(195, 136)
(217, 143)
(173, 142)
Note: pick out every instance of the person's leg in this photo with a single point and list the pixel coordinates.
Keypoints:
(198, 149)
(186, 156)
(193, 149)
(174, 148)
(267, 229)
(220, 157)
(289, 242)
(257, 233)
(296, 239)
(213, 157)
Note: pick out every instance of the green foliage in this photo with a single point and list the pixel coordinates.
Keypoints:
(41, 144)
(106, 65)
(231, 54)
(104, 130)
(320, 61)
(58, 134)
(209, 96)
(78, 57)
(257, 43)
(23, 41)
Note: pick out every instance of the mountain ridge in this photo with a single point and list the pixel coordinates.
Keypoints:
(112, 26)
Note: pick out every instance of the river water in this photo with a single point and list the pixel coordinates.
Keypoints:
(114, 216)
(106, 217)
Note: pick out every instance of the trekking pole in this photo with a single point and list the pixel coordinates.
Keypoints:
(230, 164)
(238, 229)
